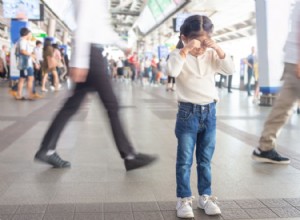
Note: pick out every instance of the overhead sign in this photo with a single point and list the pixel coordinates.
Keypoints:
(21, 9)
(156, 11)
(41, 35)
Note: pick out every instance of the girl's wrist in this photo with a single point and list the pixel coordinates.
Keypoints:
(220, 52)
(183, 52)
(217, 48)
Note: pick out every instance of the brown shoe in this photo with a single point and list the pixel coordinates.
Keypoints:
(12, 93)
(37, 96)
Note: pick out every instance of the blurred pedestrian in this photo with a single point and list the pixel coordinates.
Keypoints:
(89, 72)
(289, 94)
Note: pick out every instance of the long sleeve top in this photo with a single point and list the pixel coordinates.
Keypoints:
(292, 45)
(92, 27)
(196, 75)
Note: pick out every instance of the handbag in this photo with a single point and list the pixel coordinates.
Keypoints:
(21, 59)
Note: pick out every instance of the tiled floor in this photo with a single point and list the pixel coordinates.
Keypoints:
(98, 187)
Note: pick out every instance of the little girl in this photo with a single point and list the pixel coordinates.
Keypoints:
(195, 62)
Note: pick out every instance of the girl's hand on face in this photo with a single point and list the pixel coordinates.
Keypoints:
(193, 44)
(210, 44)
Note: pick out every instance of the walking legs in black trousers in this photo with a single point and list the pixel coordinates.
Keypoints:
(97, 80)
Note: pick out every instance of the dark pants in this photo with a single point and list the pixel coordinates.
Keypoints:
(229, 82)
(98, 81)
(250, 75)
(222, 77)
(120, 71)
(133, 71)
(171, 79)
(38, 74)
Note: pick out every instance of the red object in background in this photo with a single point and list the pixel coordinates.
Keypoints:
(133, 59)
(153, 63)
(8, 59)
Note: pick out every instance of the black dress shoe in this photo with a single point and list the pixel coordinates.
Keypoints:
(140, 160)
(53, 159)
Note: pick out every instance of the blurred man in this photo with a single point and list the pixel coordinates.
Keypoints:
(89, 71)
(287, 97)
(4, 73)
(250, 61)
(38, 52)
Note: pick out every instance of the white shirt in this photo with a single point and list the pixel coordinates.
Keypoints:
(38, 52)
(3, 56)
(93, 26)
(292, 46)
(147, 63)
(25, 45)
(120, 64)
(196, 75)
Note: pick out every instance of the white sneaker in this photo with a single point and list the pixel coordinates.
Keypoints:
(184, 207)
(209, 204)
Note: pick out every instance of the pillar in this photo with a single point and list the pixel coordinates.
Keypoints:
(51, 27)
(272, 28)
(65, 37)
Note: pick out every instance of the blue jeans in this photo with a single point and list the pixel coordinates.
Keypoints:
(250, 75)
(195, 126)
(27, 72)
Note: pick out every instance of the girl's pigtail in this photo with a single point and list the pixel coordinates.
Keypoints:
(180, 44)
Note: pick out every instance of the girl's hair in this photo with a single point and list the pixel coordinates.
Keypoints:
(55, 46)
(195, 26)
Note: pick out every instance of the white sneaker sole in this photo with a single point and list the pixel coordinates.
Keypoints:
(189, 215)
(209, 213)
(266, 160)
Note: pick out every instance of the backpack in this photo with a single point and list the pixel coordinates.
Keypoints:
(22, 60)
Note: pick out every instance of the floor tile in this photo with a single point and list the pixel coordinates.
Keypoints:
(89, 216)
(31, 209)
(28, 217)
(148, 215)
(261, 213)
(92, 208)
(60, 216)
(117, 207)
(118, 216)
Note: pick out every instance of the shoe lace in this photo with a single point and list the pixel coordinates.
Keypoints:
(187, 201)
(213, 199)
(57, 160)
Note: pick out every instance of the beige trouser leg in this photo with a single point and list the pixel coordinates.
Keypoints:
(282, 108)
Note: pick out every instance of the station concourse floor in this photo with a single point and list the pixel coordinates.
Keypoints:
(97, 185)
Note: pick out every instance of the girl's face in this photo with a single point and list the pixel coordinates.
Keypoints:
(199, 51)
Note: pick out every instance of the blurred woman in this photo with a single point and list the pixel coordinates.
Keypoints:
(49, 65)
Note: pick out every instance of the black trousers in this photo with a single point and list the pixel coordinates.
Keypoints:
(171, 79)
(97, 80)
(229, 82)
